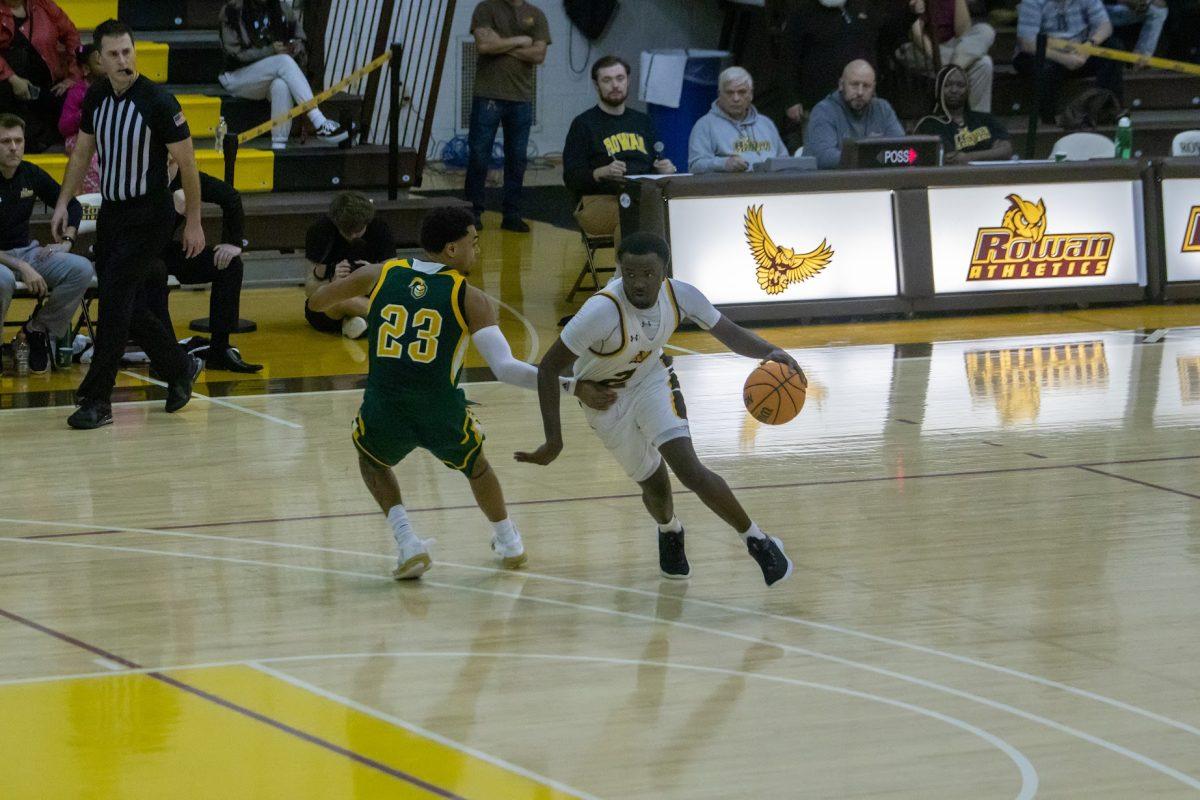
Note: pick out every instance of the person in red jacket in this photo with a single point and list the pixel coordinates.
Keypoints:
(38, 43)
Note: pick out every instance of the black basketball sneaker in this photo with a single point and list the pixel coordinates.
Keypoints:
(672, 561)
(768, 552)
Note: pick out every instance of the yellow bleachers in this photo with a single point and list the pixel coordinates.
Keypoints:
(202, 111)
(87, 14)
(255, 168)
(152, 60)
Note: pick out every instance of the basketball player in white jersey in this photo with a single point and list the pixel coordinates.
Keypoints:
(616, 340)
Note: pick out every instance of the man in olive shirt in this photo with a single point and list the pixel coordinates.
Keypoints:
(511, 37)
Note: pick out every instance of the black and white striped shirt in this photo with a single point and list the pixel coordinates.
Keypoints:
(132, 132)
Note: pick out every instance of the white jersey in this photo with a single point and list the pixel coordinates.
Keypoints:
(620, 345)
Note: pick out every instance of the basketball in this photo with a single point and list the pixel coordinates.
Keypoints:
(773, 393)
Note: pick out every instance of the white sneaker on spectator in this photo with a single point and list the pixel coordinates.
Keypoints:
(353, 327)
(331, 133)
(279, 145)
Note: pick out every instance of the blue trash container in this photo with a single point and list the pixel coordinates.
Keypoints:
(674, 125)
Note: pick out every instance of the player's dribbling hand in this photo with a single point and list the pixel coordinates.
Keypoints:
(593, 395)
(782, 357)
(543, 455)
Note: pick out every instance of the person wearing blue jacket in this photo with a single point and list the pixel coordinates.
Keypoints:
(852, 112)
(733, 136)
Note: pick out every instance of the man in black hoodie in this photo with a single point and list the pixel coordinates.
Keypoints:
(606, 143)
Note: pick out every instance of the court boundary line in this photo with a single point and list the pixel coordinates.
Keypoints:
(799, 621)
(260, 664)
(216, 401)
(237, 708)
(1127, 479)
(93, 531)
(997, 705)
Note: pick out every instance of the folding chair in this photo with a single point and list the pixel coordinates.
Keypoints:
(591, 244)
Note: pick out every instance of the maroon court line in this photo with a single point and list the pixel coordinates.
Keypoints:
(236, 708)
(1179, 492)
(627, 495)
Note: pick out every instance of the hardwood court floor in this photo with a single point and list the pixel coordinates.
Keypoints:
(998, 566)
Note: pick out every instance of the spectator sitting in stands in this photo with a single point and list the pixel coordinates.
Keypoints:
(340, 242)
(52, 271)
(264, 49)
(606, 143)
(733, 136)
(967, 135)
(68, 124)
(960, 42)
(818, 38)
(1074, 21)
(221, 266)
(34, 74)
(852, 112)
(1151, 14)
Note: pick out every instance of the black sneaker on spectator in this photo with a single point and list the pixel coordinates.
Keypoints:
(514, 224)
(40, 354)
(331, 133)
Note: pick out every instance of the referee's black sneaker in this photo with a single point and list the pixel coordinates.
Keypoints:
(672, 561)
(768, 552)
(180, 392)
(91, 414)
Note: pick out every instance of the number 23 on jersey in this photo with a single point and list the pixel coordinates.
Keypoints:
(426, 324)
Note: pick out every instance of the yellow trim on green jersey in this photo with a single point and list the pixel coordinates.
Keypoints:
(387, 266)
(460, 349)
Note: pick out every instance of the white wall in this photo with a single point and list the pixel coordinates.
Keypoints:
(638, 25)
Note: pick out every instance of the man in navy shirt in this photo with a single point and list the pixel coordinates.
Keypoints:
(51, 272)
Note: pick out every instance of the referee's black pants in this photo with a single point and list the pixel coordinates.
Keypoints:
(130, 238)
(224, 302)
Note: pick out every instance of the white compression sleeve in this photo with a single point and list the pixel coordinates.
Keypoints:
(498, 355)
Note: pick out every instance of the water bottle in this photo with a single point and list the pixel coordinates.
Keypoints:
(1124, 138)
(219, 135)
(21, 355)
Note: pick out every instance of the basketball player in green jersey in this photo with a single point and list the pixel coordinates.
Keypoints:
(421, 311)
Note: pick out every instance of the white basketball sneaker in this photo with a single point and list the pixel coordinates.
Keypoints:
(510, 549)
(413, 559)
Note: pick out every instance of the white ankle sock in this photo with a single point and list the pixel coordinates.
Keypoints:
(753, 531)
(398, 519)
(674, 526)
(505, 530)
(317, 118)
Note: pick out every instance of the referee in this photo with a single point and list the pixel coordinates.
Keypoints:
(133, 124)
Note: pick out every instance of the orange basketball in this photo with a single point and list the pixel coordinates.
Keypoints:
(773, 393)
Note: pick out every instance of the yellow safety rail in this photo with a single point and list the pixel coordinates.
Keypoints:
(1083, 48)
(309, 105)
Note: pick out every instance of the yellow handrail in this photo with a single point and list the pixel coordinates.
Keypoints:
(1121, 55)
(309, 105)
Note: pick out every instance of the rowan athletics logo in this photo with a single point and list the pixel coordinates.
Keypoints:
(1191, 236)
(1021, 248)
(779, 267)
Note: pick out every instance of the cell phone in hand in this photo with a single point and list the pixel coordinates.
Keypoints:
(34, 91)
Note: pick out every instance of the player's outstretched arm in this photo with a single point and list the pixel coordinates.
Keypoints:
(557, 359)
(750, 344)
(489, 340)
(356, 284)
